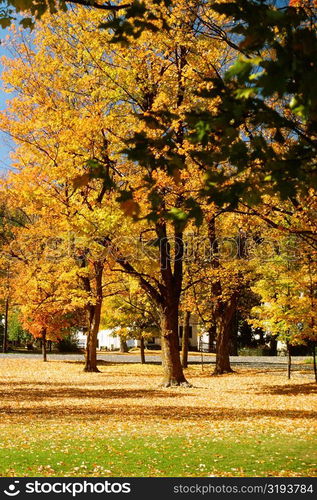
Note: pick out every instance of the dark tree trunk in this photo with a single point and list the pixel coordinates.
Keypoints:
(91, 350)
(234, 335)
(223, 311)
(123, 345)
(44, 345)
(92, 339)
(211, 337)
(172, 277)
(166, 294)
(94, 323)
(289, 361)
(185, 339)
(224, 314)
(273, 346)
(142, 348)
(223, 349)
(314, 361)
(5, 332)
(173, 371)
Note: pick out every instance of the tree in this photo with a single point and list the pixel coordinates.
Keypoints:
(154, 71)
(287, 288)
(266, 96)
(132, 315)
(269, 41)
(17, 334)
(42, 289)
(133, 17)
(216, 278)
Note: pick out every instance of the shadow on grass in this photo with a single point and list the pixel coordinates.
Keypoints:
(174, 413)
(290, 389)
(102, 362)
(63, 392)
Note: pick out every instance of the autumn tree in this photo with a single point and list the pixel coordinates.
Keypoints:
(267, 95)
(287, 287)
(269, 41)
(132, 315)
(157, 71)
(219, 272)
(44, 287)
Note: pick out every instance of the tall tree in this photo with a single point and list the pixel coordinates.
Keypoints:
(157, 71)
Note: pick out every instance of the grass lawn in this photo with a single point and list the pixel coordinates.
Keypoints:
(57, 420)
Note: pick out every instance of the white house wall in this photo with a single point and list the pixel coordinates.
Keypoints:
(107, 339)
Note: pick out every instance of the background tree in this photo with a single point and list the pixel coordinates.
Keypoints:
(287, 288)
(132, 315)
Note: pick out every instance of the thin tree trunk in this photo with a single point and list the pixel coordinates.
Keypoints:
(5, 332)
(273, 346)
(94, 323)
(222, 312)
(44, 346)
(234, 335)
(142, 347)
(314, 361)
(123, 345)
(211, 337)
(92, 339)
(289, 361)
(173, 371)
(185, 339)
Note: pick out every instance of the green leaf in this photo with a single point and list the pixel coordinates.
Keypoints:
(246, 93)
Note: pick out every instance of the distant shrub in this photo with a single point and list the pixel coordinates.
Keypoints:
(68, 344)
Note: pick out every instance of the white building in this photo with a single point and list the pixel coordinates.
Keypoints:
(108, 340)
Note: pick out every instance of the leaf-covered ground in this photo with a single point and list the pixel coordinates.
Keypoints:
(56, 420)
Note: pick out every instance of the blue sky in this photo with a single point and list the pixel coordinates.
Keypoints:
(5, 145)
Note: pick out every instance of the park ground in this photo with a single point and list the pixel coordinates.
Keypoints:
(56, 420)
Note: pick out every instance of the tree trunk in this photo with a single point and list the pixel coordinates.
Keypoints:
(223, 310)
(211, 337)
(5, 332)
(44, 350)
(94, 323)
(92, 339)
(173, 371)
(224, 314)
(314, 361)
(289, 361)
(185, 339)
(142, 350)
(223, 350)
(123, 345)
(91, 350)
(273, 346)
(166, 295)
(234, 335)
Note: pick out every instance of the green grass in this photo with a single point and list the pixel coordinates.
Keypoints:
(308, 361)
(126, 456)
